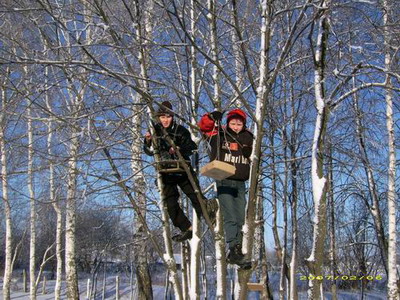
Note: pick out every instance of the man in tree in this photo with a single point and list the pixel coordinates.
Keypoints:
(171, 180)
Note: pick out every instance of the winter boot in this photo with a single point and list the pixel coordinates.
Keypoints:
(236, 257)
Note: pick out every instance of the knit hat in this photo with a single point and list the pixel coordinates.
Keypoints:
(236, 113)
(165, 109)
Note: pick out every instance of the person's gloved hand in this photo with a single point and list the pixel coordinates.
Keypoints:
(172, 150)
(216, 115)
(148, 138)
(246, 150)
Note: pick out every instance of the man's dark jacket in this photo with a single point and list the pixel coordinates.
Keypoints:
(181, 137)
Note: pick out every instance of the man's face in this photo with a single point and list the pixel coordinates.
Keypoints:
(236, 125)
(165, 120)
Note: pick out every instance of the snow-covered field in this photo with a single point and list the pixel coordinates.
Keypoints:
(125, 292)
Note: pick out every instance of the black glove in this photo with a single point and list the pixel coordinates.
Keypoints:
(246, 150)
(216, 115)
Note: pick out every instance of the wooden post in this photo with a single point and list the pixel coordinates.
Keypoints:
(24, 283)
(117, 288)
(255, 286)
(93, 290)
(88, 289)
(44, 285)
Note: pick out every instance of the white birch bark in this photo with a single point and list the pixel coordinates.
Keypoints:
(194, 291)
(71, 276)
(283, 282)
(236, 54)
(214, 52)
(195, 243)
(293, 169)
(185, 269)
(193, 101)
(143, 32)
(70, 221)
(220, 257)
(32, 240)
(259, 253)
(392, 287)
(7, 207)
(219, 236)
(55, 204)
(319, 181)
(393, 292)
(258, 124)
(168, 255)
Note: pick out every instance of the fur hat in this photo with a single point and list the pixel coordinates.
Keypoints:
(165, 108)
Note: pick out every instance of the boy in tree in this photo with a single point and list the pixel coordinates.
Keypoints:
(232, 145)
(183, 141)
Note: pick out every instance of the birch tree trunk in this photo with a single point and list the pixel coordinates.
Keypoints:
(236, 52)
(194, 291)
(214, 52)
(169, 255)
(70, 221)
(278, 247)
(144, 283)
(262, 255)
(195, 242)
(258, 124)
(392, 285)
(220, 257)
(7, 207)
(143, 278)
(264, 88)
(294, 197)
(332, 236)
(319, 181)
(55, 204)
(248, 228)
(283, 287)
(32, 240)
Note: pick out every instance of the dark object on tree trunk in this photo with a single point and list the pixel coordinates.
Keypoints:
(183, 236)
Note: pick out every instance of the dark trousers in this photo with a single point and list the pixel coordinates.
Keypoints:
(171, 198)
(232, 200)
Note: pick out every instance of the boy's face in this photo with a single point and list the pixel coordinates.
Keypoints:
(165, 120)
(236, 125)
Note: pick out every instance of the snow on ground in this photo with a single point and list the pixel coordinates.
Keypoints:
(158, 291)
(125, 291)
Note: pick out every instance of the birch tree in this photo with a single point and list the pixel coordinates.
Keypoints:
(32, 240)
(70, 221)
(4, 187)
(319, 180)
(393, 286)
(144, 29)
(53, 199)
(265, 84)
